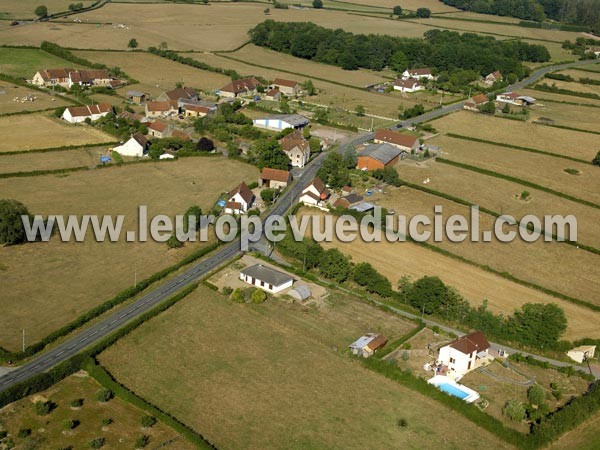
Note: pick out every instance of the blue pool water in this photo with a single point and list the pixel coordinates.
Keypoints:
(453, 390)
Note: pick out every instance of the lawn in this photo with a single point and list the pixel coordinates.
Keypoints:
(252, 366)
(575, 116)
(156, 74)
(553, 140)
(25, 62)
(540, 169)
(10, 92)
(49, 432)
(27, 162)
(32, 131)
(24, 9)
(97, 271)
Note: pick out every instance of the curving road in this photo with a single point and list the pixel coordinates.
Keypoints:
(119, 318)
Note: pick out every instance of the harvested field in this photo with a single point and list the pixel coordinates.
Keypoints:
(575, 87)
(499, 195)
(270, 58)
(27, 162)
(594, 67)
(553, 140)
(540, 169)
(544, 96)
(50, 432)
(577, 74)
(97, 271)
(584, 437)
(576, 116)
(224, 391)
(10, 92)
(25, 62)
(31, 131)
(156, 74)
(24, 9)
(476, 16)
(434, 6)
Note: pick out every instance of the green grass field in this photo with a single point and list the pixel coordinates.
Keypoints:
(25, 62)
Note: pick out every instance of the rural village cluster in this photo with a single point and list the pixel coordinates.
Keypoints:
(200, 210)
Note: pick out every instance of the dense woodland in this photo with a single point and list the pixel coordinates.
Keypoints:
(576, 12)
(444, 51)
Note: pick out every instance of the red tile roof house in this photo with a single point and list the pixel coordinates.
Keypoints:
(475, 102)
(159, 129)
(78, 114)
(315, 194)
(90, 78)
(175, 94)
(287, 87)
(404, 142)
(492, 78)
(274, 178)
(52, 77)
(197, 110)
(240, 200)
(420, 74)
(68, 77)
(274, 95)
(161, 108)
(514, 98)
(465, 353)
(408, 86)
(135, 146)
(297, 148)
(241, 87)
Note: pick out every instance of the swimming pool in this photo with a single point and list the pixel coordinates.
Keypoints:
(451, 387)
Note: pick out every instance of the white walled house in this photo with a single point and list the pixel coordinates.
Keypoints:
(408, 86)
(240, 200)
(135, 146)
(419, 74)
(78, 114)
(465, 353)
(266, 278)
(296, 148)
(315, 193)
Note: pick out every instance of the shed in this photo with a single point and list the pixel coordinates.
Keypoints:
(300, 292)
(266, 278)
(581, 353)
(368, 344)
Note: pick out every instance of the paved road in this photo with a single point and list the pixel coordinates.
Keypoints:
(116, 320)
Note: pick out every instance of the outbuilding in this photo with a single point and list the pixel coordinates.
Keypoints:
(581, 353)
(279, 122)
(368, 344)
(266, 278)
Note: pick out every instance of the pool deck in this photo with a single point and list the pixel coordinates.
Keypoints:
(440, 380)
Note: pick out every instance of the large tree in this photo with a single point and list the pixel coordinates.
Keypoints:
(11, 224)
(41, 11)
(268, 153)
(538, 324)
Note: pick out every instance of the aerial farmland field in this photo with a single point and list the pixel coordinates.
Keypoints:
(576, 87)
(576, 116)
(33, 131)
(25, 62)
(28, 162)
(224, 390)
(553, 140)
(102, 269)
(15, 99)
(24, 9)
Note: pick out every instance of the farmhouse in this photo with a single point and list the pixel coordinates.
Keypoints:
(69, 77)
(266, 278)
(475, 102)
(368, 344)
(159, 129)
(378, 156)
(404, 142)
(132, 117)
(297, 148)
(52, 77)
(280, 122)
(78, 114)
(492, 78)
(197, 111)
(581, 353)
(515, 98)
(241, 87)
(176, 94)
(135, 146)
(137, 96)
(274, 178)
(408, 86)
(465, 353)
(315, 193)
(273, 95)
(160, 108)
(240, 200)
(287, 87)
(419, 74)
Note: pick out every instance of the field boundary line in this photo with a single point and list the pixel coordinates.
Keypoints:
(564, 127)
(58, 149)
(564, 102)
(517, 147)
(512, 179)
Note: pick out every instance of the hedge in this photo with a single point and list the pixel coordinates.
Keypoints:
(545, 88)
(173, 56)
(37, 173)
(517, 357)
(516, 147)
(102, 308)
(518, 181)
(59, 149)
(401, 340)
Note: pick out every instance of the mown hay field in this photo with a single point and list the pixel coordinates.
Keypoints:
(543, 170)
(575, 87)
(577, 74)
(28, 162)
(501, 196)
(553, 140)
(156, 74)
(25, 62)
(70, 278)
(542, 96)
(10, 92)
(434, 6)
(25, 9)
(576, 116)
(49, 432)
(32, 131)
(239, 366)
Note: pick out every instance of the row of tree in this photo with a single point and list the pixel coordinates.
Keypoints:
(442, 50)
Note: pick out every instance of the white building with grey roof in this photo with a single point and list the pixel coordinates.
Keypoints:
(266, 278)
(280, 122)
